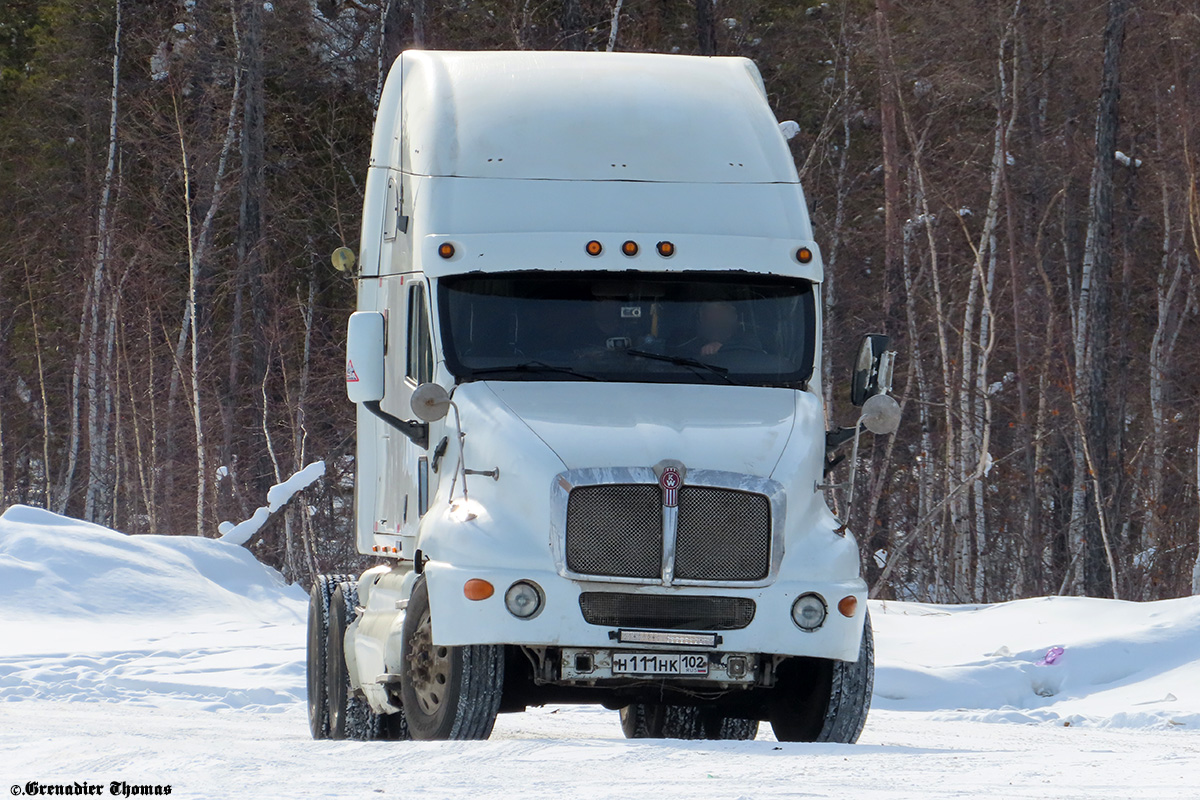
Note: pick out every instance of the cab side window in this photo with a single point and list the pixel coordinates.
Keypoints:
(420, 348)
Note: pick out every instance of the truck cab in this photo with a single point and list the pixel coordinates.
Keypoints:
(591, 440)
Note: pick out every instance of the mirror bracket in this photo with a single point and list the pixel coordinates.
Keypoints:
(834, 439)
(837, 437)
(418, 432)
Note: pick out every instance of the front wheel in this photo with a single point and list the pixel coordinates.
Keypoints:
(448, 692)
(821, 700)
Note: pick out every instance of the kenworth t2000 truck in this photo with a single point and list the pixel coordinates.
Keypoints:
(591, 442)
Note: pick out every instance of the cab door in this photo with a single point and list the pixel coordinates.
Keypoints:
(403, 491)
(418, 370)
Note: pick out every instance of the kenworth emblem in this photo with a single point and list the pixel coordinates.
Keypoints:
(670, 481)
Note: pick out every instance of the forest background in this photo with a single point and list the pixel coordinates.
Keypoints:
(1009, 189)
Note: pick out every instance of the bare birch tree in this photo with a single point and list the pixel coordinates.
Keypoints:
(97, 380)
(615, 26)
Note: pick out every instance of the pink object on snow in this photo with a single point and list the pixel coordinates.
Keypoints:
(1052, 655)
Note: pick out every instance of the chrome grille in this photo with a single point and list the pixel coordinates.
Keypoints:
(724, 535)
(670, 612)
(615, 530)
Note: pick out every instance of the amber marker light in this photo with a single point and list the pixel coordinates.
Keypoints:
(804, 255)
(478, 589)
(630, 248)
(666, 249)
(848, 605)
(446, 250)
(594, 248)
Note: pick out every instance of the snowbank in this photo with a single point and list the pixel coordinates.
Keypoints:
(53, 566)
(91, 614)
(1123, 664)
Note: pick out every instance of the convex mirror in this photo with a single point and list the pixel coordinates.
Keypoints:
(430, 402)
(881, 414)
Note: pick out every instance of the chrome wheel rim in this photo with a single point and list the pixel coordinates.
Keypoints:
(428, 668)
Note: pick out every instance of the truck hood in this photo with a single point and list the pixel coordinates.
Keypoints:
(734, 428)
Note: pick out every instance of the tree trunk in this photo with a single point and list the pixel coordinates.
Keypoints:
(1029, 517)
(419, 16)
(888, 97)
(1196, 566)
(828, 293)
(572, 26)
(615, 27)
(706, 33)
(251, 221)
(1092, 332)
(4, 382)
(97, 382)
(1161, 350)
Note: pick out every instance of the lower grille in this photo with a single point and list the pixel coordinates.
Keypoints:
(671, 612)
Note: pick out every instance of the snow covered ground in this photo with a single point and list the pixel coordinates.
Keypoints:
(173, 660)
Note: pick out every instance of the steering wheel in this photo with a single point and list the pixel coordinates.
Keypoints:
(740, 348)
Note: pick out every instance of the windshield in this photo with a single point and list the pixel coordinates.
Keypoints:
(741, 329)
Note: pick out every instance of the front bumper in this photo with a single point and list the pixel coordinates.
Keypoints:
(560, 622)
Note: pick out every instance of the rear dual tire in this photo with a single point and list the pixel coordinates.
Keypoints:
(335, 710)
(318, 635)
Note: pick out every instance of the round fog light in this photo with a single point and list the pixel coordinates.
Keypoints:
(808, 612)
(523, 599)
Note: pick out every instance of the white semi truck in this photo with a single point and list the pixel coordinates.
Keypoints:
(591, 440)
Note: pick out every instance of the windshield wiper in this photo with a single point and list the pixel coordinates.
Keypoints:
(684, 361)
(533, 366)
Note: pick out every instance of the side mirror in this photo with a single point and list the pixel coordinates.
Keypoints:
(872, 369)
(430, 402)
(364, 357)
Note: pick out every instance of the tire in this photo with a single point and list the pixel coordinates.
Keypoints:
(449, 693)
(682, 722)
(349, 715)
(732, 729)
(318, 634)
(822, 700)
(392, 727)
(642, 720)
(661, 721)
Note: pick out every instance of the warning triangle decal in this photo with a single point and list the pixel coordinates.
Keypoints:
(351, 375)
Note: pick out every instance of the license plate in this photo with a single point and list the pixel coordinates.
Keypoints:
(659, 664)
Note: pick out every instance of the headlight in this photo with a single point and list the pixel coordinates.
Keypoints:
(808, 612)
(523, 599)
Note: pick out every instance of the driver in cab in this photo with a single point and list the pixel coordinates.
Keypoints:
(718, 326)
